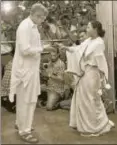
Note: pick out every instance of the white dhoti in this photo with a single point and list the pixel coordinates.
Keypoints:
(24, 110)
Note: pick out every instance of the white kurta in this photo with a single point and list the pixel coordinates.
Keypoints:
(26, 62)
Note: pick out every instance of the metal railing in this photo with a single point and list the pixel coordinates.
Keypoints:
(13, 42)
(54, 40)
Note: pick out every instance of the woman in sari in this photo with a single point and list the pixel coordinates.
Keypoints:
(87, 113)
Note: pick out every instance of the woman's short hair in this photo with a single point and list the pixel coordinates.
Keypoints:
(97, 25)
(39, 7)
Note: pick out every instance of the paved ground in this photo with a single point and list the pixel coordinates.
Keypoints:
(52, 128)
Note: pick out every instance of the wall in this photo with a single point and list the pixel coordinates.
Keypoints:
(115, 24)
(105, 16)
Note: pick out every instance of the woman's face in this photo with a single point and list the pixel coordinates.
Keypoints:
(82, 36)
(90, 30)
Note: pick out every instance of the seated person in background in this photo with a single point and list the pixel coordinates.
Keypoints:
(5, 84)
(65, 103)
(5, 87)
(55, 84)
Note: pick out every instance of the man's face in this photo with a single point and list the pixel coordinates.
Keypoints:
(82, 36)
(54, 56)
(38, 17)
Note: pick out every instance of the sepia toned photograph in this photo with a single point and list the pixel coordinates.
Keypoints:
(58, 72)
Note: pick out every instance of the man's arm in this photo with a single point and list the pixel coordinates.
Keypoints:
(24, 42)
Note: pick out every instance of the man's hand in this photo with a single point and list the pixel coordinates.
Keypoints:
(61, 46)
(57, 44)
(46, 46)
(11, 99)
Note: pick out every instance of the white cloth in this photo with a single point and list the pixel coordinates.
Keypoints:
(87, 111)
(95, 55)
(24, 110)
(73, 59)
(73, 66)
(26, 62)
(5, 48)
(92, 48)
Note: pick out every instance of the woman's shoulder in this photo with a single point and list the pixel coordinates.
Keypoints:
(86, 42)
(96, 46)
(99, 40)
(99, 46)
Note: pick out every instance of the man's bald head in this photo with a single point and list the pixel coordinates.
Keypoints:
(38, 13)
(38, 8)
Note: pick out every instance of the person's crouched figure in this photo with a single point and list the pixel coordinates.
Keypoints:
(55, 84)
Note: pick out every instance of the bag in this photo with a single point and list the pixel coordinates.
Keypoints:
(11, 107)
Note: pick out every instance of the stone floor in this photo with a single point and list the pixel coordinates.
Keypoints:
(52, 128)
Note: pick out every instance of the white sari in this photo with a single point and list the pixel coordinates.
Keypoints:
(87, 112)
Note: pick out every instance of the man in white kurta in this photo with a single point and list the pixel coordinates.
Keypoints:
(25, 79)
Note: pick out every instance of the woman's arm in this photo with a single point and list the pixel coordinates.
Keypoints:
(67, 48)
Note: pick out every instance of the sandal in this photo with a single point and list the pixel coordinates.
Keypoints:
(29, 137)
(89, 135)
(16, 127)
(75, 128)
